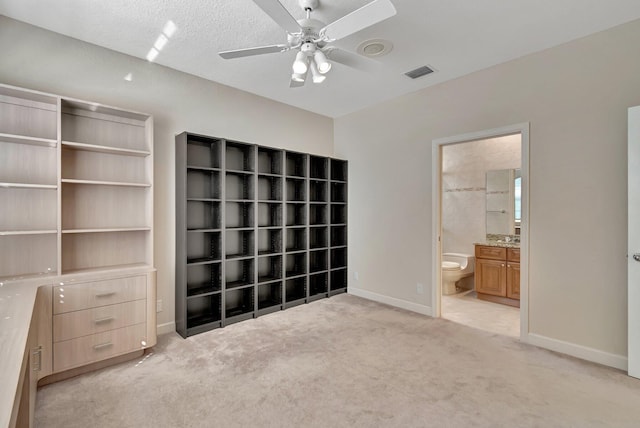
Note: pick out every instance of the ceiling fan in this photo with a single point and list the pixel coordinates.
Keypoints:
(312, 38)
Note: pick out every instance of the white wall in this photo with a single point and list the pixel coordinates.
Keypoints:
(464, 169)
(46, 61)
(575, 97)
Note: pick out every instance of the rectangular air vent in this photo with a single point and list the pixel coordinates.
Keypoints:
(419, 72)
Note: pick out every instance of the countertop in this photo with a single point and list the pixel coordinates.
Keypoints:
(17, 301)
(502, 244)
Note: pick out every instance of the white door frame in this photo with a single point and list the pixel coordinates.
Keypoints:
(436, 214)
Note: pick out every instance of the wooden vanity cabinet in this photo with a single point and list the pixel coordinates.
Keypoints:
(497, 274)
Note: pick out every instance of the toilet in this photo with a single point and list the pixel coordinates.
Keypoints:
(455, 266)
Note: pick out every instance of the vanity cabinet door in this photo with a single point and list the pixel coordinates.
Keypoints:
(513, 280)
(491, 277)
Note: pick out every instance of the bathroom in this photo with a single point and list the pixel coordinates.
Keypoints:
(481, 212)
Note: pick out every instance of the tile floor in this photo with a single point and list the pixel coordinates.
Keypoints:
(464, 308)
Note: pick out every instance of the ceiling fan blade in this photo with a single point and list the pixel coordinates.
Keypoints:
(366, 16)
(239, 53)
(296, 84)
(278, 13)
(351, 60)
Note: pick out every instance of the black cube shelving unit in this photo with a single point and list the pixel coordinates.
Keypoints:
(258, 230)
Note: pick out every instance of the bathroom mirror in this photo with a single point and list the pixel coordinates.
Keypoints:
(503, 202)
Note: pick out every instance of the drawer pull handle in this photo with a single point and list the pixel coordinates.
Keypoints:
(102, 346)
(103, 320)
(110, 293)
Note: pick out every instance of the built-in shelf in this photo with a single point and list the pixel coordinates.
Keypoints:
(24, 139)
(104, 149)
(202, 168)
(27, 232)
(104, 183)
(105, 230)
(27, 186)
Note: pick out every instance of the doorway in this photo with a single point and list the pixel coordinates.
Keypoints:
(466, 170)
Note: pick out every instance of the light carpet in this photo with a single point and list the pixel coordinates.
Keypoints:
(345, 362)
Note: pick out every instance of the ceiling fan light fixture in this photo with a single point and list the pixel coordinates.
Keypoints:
(321, 60)
(298, 77)
(300, 65)
(315, 73)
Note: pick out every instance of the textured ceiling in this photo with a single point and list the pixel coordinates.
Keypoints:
(455, 37)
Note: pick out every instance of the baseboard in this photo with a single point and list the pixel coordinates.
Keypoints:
(165, 328)
(392, 301)
(579, 351)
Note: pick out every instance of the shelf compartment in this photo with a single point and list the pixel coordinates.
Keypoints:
(318, 167)
(202, 184)
(239, 243)
(203, 247)
(296, 215)
(27, 232)
(27, 116)
(318, 191)
(90, 207)
(238, 186)
(338, 236)
(238, 273)
(296, 164)
(239, 156)
(269, 268)
(269, 161)
(318, 261)
(296, 239)
(269, 188)
(239, 215)
(338, 170)
(239, 302)
(269, 214)
(28, 164)
(296, 264)
(296, 189)
(318, 237)
(203, 279)
(28, 209)
(338, 279)
(203, 215)
(103, 166)
(295, 289)
(107, 230)
(269, 241)
(82, 251)
(70, 145)
(203, 310)
(29, 254)
(104, 183)
(203, 152)
(98, 125)
(338, 258)
(269, 295)
(338, 214)
(317, 214)
(338, 192)
(318, 283)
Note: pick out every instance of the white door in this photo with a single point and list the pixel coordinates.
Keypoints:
(633, 249)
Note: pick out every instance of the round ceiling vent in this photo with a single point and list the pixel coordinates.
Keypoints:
(375, 47)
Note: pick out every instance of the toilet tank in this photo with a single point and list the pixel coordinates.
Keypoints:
(466, 261)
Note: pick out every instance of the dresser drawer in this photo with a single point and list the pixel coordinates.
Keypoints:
(513, 254)
(494, 253)
(96, 347)
(87, 295)
(96, 320)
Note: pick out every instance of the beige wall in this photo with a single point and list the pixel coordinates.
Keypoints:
(42, 60)
(575, 97)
